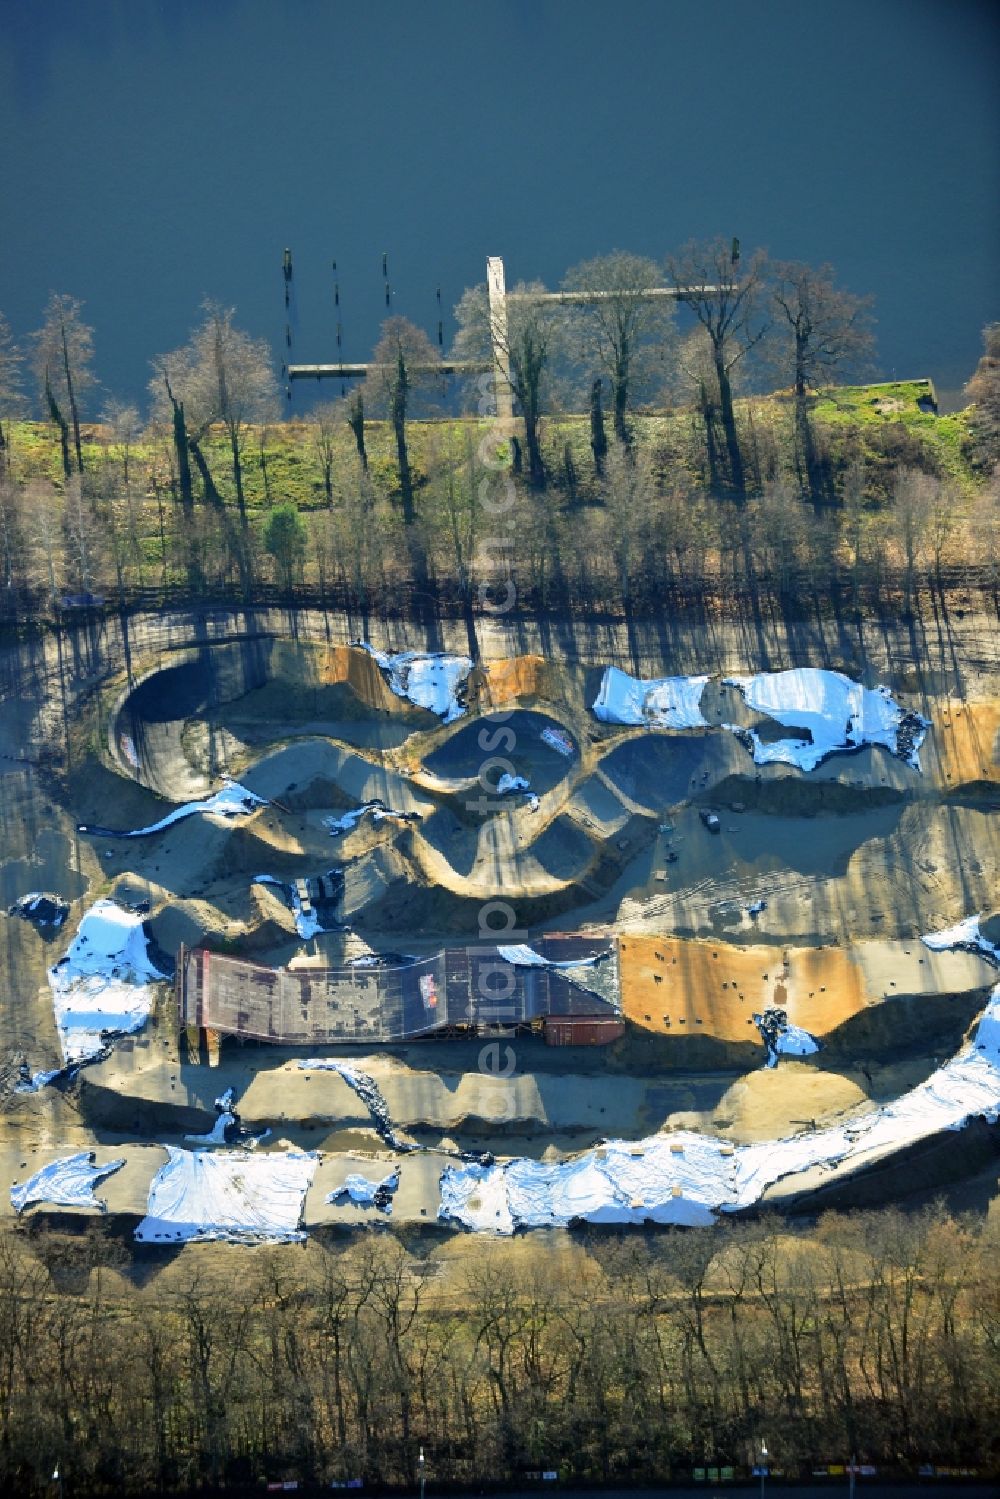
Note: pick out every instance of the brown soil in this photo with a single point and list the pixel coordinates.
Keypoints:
(864, 851)
(515, 678)
(966, 743)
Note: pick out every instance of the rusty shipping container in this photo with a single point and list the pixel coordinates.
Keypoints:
(582, 1030)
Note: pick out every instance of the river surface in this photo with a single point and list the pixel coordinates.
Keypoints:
(162, 151)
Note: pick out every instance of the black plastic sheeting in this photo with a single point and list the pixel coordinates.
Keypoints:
(43, 910)
(370, 1094)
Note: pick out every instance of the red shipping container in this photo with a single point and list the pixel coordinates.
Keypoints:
(582, 1030)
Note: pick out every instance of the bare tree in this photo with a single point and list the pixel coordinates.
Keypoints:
(696, 379)
(724, 294)
(598, 436)
(185, 442)
(456, 517)
(356, 422)
(522, 343)
(62, 358)
(822, 331)
(323, 424)
(629, 498)
(984, 391)
(43, 511)
(10, 387)
(125, 425)
(12, 544)
(984, 525)
(914, 498)
(624, 333)
(780, 534)
(356, 540)
(86, 537)
(402, 369)
(220, 375)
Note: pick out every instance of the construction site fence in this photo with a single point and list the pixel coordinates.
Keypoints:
(23, 609)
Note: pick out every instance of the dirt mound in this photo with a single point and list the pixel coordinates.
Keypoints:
(930, 1026)
(658, 770)
(517, 677)
(368, 880)
(964, 748)
(793, 795)
(295, 766)
(194, 922)
(358, 670)
(254, 692)
(989, 926)
(490, 746)
(675, 986)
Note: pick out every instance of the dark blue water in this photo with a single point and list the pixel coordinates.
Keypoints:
(158, 153)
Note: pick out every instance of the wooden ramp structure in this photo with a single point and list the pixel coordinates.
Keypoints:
(457, 991)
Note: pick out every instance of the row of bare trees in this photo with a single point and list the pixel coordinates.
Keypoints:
(876, 1335)
(123, 533)
(168, 507)
(614, 323)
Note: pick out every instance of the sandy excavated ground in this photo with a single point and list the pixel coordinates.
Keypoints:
(667, 982)
(854, 861)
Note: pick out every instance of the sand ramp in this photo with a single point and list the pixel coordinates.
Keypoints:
(682, 987)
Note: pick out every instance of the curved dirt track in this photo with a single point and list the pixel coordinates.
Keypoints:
(861, 856)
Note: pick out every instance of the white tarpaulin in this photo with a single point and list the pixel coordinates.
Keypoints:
(430, 681)
(519, 955)
(234, 1195)
(66, 1183)
(307, 923)
(838, 713)
(965, 936)
(793, 1041)
(104, 983)
(782, 1039)
(225, 1109)
(34, 1082)
(233, 800)
(364, 1192)
(663, 702)
(217, 1134)
(378, 811)
(347, 821)
(558, 740)
(508, 783)
(685, 1177)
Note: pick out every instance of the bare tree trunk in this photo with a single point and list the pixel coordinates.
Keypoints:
(598, 436)
(803, 427)
(234, 444)
(737, 478)
(72, 402)
(711, 449)
(61, 423)
(621, 391)
(536, 468)
(356, 422)
(211, 493)
(181, 450)
(399, 393)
